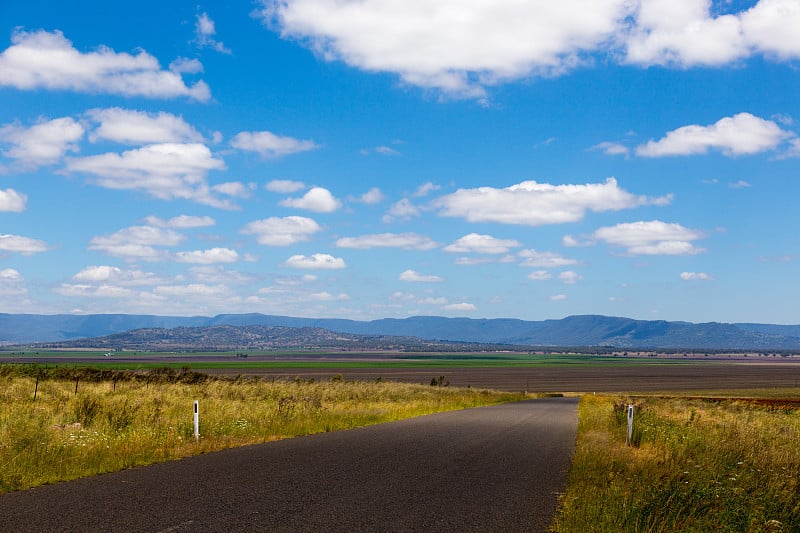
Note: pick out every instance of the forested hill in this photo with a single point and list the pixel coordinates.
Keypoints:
(582, 330)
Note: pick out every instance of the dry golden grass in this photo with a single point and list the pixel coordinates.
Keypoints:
(696, 466)
(110, 426)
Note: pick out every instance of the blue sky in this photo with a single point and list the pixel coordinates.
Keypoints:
(371, 159)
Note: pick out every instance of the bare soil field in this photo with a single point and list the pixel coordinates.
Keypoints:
(630, 374)
(622, 378)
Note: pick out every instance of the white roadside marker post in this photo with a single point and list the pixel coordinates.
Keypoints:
(196, 421)
(629, 440)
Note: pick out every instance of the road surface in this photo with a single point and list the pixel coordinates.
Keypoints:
(496, 468)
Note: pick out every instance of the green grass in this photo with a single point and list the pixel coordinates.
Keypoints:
(696, 466)
(136, 419)
(321, 360)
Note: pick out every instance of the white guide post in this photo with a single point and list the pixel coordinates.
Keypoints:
(630, 425)
(196, 421)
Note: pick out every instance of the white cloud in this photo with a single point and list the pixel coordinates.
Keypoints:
(686, 34)
(109, 274)
(741, 184)
(186, 65)
(372, 197)
(166, 171)
(651, 238)
(558, 297)
(12, 283)
(22, 245)
(464, 306)
(406, 241)
(44, 143)
(612, 148)
(321, 261)
(285, 186)
(540, 275)
(276, 231)
(433, 44)
(268, 144)
(94, 291)
(45, 60)
(325, 296)
(535, 204)
(425, 189)
(416, 277)
(701, 276)
(128, 126)
(207, 257)
(740, 134)
(317, 199)
(532, 258)
(569, 277)
(481, 244)
(181, 222)
(204, 32)
(402, 209)
(137, 242)
(12, 201)
(235, 189)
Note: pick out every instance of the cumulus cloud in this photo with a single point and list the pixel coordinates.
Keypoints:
(44, 143)
(650, 238)
(234, 189)
(22, 245)
(284, 231)
(569, 277)
(94, 291)
(700, 276)
(686, 34)
(48, 60)
(425, 189)
(105, 274)
(463, 306)
(128, 126)
(137, 242)
(192, 290)
(181, 221)
(372, 197)
(612, 148)
(540, 275)
(12, 201)
(315, 261)
(741, 134)
(204, 32)
(433, 45)
(406, 241)
(403, 210)
(558, 297)
(267, 144)
(481, 244)
(532, 258)
(166, 171)
(317, 199)
(285, 186)
(207, 257)
(534, 204)
(416, 277)
(12, 283)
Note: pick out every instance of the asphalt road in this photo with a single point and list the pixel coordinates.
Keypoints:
(496, 468)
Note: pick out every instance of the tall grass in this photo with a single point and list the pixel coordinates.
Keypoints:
(117, 424)
(696, 466)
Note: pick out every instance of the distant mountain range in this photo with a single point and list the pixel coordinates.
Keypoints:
(582, 330)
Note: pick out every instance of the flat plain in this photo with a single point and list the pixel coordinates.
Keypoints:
(501, 371)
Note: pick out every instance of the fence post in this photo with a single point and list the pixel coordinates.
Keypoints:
(629, 440)
(196, 421)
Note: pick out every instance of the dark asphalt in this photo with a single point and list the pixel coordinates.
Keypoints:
(494, 468)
